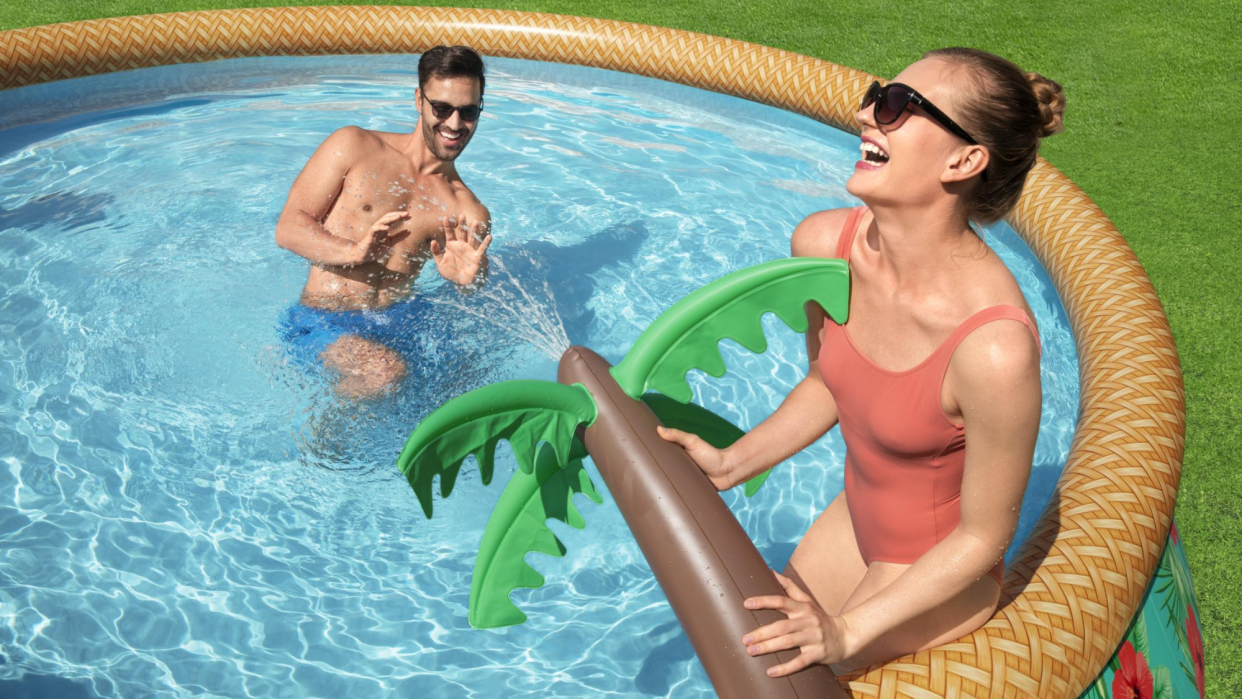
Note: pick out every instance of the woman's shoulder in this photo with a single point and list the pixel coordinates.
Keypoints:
(988, 283)
(996, 348)
(818, 234)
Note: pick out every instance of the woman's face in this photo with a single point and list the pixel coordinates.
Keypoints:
(918, 156)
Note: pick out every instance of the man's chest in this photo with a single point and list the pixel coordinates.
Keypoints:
(370, 193)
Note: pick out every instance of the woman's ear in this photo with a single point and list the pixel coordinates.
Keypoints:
(965, 163)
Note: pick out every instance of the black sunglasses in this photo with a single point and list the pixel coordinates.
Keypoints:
(892, 99)
(444, 110)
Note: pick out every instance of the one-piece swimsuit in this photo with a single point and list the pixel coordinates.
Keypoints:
(904, 456)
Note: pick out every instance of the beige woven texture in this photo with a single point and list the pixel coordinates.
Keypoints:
(1078, 580)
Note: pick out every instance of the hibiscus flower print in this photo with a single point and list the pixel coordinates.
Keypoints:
(1195, 641)
(1133, 680)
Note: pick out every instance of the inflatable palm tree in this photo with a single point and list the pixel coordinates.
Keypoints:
(699, 553)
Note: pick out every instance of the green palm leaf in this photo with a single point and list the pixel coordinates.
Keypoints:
(697, 420)
(523, 412)
(687, 335)
(518, 526)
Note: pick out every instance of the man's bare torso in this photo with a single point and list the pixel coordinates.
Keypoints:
(383, 180)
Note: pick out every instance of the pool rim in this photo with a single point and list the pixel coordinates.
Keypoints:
(1071, 591)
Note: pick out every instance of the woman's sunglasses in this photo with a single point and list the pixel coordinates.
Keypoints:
(444, 110)
(892, 99)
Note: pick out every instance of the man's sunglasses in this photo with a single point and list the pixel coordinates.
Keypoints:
(444, 110)
(892, 99)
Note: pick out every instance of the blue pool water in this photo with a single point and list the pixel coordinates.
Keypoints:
(186, 512)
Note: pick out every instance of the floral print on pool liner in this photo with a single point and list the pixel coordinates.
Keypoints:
(1161, 656)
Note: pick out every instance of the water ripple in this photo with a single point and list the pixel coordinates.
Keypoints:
(186, 513)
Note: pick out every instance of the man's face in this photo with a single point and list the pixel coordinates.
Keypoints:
(447, 137)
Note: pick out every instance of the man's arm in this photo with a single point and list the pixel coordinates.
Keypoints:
(300, 227)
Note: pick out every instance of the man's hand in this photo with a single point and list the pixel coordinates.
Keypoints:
(463, 252)
(376, 244)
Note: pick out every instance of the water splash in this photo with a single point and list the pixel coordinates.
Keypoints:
(522, 309)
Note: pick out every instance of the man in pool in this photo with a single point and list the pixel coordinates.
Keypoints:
(368, 211)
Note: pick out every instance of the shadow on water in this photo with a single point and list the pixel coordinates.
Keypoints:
(17, 137)
(45, 687)
(68, 210)
(654, 678)
(571, 271)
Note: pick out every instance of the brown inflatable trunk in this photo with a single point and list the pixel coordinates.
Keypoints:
(700, 555)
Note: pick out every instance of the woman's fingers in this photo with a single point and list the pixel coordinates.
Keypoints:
(672, 435)
(689, 442)
(803, 660)
(789, 641)
(792, 589)
(776, 629)
(778, 602)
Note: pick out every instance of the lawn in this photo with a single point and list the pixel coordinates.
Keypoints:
(1147, 136)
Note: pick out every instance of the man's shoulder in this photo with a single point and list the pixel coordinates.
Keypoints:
(355, 138)
(468, 203)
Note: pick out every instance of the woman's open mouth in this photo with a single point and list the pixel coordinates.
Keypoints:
(873, 157)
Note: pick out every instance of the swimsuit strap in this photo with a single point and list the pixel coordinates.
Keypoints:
(976, 321)
(846, 241)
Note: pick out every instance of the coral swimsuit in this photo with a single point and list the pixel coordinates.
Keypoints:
(903, 456)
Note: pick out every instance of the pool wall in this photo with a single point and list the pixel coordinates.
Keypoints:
(1071, 592)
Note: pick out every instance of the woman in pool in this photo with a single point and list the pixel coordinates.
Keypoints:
(911, 554)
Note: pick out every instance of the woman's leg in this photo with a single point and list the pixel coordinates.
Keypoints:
(947, 622)
(826, 563)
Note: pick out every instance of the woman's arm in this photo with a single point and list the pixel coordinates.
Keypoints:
(809, 410)
(995, 381)
(806, 414)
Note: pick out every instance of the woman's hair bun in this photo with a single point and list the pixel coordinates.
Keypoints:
(1051, 103)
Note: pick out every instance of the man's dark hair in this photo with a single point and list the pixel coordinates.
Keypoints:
(450, 62)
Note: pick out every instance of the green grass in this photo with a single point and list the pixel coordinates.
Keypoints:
(1152, 134)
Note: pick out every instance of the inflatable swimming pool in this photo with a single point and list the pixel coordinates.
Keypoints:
(1073, 618)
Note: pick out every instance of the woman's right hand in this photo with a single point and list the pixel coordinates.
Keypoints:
(710, 460)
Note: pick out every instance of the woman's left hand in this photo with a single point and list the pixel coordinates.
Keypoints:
(820, 636)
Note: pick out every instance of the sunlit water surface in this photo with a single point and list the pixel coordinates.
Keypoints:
(186, 512)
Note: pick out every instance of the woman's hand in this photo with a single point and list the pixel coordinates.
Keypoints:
(820, 636)
(710, 460)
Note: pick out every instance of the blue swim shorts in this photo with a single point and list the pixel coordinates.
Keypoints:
(402, 327)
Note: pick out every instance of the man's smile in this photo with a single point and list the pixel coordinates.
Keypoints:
(450, 137)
